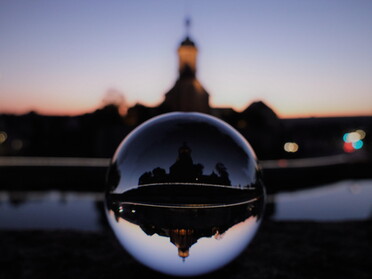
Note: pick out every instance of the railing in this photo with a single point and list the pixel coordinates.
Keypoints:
(105, 162)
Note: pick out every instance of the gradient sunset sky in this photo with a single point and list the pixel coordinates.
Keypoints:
(303, 58)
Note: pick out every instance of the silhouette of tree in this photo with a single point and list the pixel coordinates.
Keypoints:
(114, 97)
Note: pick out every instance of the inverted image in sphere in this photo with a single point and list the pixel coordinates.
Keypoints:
(186, 186)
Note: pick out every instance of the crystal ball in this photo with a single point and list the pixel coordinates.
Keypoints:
(184, 194)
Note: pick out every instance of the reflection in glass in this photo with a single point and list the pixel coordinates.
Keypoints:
(184, 194)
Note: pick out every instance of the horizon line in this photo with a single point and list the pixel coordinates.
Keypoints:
(76, 113)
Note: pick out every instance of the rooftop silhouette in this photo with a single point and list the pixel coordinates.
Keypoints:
(184, 170)
(97, 134)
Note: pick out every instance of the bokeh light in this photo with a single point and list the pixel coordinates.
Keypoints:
(348, 147)
(358, 144)
(291, 147)
(353, 140)
(3, 137)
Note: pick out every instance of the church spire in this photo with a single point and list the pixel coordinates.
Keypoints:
(187, 53)
(187, 94)
(187, 26)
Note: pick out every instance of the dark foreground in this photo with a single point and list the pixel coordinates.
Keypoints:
(280, 250)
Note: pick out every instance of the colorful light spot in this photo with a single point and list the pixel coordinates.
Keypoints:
(291, 147)
(351, 137)
(3, 137)
(361, 133)
(348, 147)
(353, 140)
(358, 144)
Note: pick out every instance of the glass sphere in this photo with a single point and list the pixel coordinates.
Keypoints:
(184, 194)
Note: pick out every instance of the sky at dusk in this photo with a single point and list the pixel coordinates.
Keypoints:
(303, 58)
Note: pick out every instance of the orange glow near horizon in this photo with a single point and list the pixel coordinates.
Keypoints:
(52, 111)
(303, 59)
(75, 109)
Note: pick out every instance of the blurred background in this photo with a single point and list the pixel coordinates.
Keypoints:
(293, 77)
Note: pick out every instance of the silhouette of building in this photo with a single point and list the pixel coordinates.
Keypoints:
(184, 226)
(97, 134)
(183, 239)
(184, 170)
(187, 94)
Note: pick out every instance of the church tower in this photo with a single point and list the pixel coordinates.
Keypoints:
(187, 94)
(187, 53)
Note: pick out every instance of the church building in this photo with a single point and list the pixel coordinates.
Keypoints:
(258, 122)
(187, 94)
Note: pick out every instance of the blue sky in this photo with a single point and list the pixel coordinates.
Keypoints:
(304, 58)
